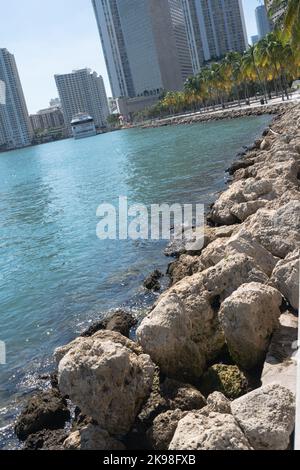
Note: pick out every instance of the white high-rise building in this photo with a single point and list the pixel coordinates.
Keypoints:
(15, 127)
(262, 21)
(83, 91)
(215, 27)
(145, 45)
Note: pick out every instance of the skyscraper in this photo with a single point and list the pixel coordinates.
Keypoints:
(82, 91)
(262, 20)
(145, 45)
(15, 127)
(214, 27)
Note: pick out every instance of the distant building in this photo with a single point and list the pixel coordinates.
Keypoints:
(263, 22)
(15, 127)
(214, 27)
(83, 91)
(145, 45)
(254, 39)
(55, 103)
(45, 119)
(83, 126)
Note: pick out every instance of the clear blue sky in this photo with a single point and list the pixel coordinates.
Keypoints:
(57, 36)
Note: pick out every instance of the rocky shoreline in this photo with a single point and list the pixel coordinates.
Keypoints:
(213, 116)
(212, 366)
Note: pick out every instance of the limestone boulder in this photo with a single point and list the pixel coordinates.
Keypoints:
(163, 429)
(108, 377)
(218, 403)
(209, 431)
(266, 416)
(286, 278)
(182, 333)
(92, 437)
(249, 317)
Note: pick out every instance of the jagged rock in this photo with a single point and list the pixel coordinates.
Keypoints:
(249, 317)
(245, 209)
(277, 230)
(163, 429)
(266, 416)
(108, 378)
(281, 366)
(286, 278)
(185, 266)
(45, 410)
(228, 380)
(92, 437)
(218, 403)
(209, 431)
(152, 281)
(119, 321)
(182, 334)
(46, 440)
(240, 164)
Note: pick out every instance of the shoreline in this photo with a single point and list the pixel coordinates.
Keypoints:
(247, 255)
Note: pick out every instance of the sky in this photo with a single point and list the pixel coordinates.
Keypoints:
(50, 37)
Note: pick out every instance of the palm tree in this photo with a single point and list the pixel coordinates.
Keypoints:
(292, 22)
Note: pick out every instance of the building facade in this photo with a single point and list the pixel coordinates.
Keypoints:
(215, 27)
(50, 118)
(82, 91)
(145, 45)
(15, 127)
(263, 22)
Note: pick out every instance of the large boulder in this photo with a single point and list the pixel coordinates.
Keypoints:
(92, 437)
(209, 431)
(182, 333)
(286, 278)
(266, 416)
(108, 377)
(277, 230)
(45, 410)
(249, 317)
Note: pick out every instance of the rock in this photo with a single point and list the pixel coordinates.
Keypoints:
(45, 410)
(228, 380)
(286, 278)
(163, 429)
(185, 266)
(266, 416)
(92, 437)
(182, 396)
(182, 333)
(245, 209)
(119, 321)
(151, 283)
(218, 403)
(240, 164)
(108, 378)
(46, 440)
(249, 317)
(208, 431)
(281, 366)
(265, 145)
(277, 230)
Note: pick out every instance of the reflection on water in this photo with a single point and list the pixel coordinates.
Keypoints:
(55, 274)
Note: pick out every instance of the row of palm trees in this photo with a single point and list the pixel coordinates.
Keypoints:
(269, 66)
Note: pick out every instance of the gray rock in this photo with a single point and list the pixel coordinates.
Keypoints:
(92, 437)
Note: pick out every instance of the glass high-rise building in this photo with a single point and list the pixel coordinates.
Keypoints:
(215, 27)
(15, 127)
(262, 21)
(145, 45)
(82, 91)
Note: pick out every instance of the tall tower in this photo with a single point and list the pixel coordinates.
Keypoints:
(15, 127)
(82, 91)
(262, 20)
(214, 27)
(145, 45)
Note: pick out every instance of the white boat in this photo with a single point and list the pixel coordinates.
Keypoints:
(83, 126)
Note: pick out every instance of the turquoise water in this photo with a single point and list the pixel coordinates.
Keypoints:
(55, 274)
